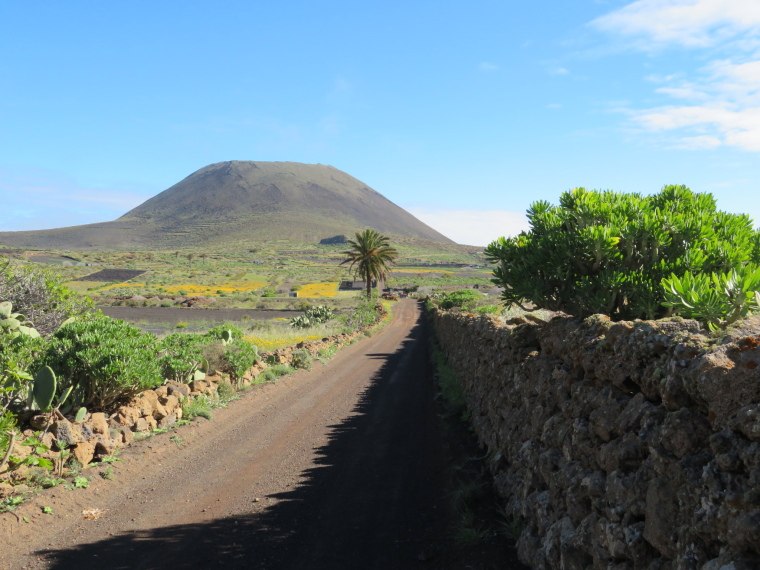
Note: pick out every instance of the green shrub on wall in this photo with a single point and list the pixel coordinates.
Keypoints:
(104, 360)
(609, 252)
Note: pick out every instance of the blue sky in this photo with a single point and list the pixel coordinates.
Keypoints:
(461, 112)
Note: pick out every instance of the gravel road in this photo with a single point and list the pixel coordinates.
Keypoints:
(340, 467)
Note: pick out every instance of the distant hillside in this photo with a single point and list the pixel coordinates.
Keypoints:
(236, 203)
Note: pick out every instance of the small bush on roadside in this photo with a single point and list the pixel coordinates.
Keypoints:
(280, 369)
(238, 357)
(463, 299)
(365, 314)
(7, 427)
(200, 406)
(181, 355)
(302, 359)
(225, 391)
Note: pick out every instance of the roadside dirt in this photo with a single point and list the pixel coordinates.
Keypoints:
(345, 466)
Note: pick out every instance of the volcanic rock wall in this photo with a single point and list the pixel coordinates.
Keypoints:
(619, 445)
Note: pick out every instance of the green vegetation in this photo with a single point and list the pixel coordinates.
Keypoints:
(464, 298)
(313, 316)
(617, 254)
(302, 359)
(370, 256)
(103, 360)
(181, 356)
(238, 358)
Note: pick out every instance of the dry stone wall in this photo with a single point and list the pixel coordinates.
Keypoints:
(619, 445)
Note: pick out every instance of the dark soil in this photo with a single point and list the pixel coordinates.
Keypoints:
(111, 275)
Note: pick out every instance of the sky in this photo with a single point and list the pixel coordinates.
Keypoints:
(463, 113)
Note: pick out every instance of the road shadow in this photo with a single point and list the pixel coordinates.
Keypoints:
(376, 498)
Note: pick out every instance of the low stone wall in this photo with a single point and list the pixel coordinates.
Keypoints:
(619, 445)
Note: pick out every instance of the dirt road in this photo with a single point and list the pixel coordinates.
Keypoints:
(340, 467)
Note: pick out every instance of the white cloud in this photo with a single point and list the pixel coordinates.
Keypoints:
(473, 227)
(724, 109)
(554, 106)
(719, 104)
(559, 71)
(690, 23)
(485, 66)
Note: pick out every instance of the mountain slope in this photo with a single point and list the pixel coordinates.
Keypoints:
(237, 202)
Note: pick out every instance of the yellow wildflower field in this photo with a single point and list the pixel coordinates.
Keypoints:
(269, 343)
(212, 290)
(319, 290)
(123, 285)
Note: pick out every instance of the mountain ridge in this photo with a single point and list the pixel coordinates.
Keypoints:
(235, 202)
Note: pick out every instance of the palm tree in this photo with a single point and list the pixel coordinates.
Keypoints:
(370, 256)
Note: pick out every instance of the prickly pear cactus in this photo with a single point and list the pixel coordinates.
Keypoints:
(13, 325)
(44, 388)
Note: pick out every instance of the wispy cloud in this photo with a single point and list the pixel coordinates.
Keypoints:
(37, 201)
(485, 66)
(717, 105)
(559, 71)
(690, 23)
(473, 227)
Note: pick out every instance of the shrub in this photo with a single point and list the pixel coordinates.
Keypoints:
(464, 299)
(608, 252)
(716, 299)
(280, 370)
(7, 427)
(218, 332)
(302, 359)
(40, 296)
(181, 355)
(104, 360)
(17, 358)
(365, 314)
(238, 357)
(200, 406)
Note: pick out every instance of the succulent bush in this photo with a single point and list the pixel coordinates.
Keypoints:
(181, 355)
(717, 299)
(103, 360)
(464, 299)
(20, 346)
(609, 252)
(239, 356)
